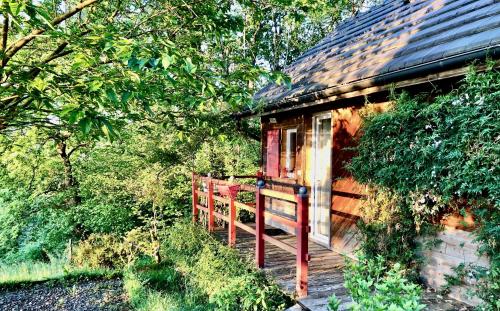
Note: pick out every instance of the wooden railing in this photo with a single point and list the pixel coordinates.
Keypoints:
(222, 191)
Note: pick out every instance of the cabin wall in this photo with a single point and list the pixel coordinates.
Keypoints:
(456, 247)
(346, 193)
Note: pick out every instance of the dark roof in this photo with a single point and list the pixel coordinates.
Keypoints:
(390, 41)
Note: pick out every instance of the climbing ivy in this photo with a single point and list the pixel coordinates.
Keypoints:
(441, 156)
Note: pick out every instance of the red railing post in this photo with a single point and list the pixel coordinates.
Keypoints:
(194, 197)
(302, 241)
(232, 226)
(210, 202)
(260, 224)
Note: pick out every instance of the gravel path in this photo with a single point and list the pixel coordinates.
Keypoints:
(94, 295)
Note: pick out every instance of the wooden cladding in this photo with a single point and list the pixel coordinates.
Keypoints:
(273, 153)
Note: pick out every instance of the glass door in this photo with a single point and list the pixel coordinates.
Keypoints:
(321, 178)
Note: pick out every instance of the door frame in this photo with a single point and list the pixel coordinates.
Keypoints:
(322, 239)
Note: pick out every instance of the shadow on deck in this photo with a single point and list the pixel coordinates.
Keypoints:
(325, 274)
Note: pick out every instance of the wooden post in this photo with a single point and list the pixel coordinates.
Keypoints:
(210, 199)
(194, 197)
(302, 241)
(232, 226)
(260, 224)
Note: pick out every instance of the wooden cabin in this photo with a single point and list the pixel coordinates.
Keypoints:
(417, 46)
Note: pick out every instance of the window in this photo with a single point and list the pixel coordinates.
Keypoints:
(291, 152)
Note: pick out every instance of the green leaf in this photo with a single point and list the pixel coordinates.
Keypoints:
(45, 17)
(95, 85)
(74, 115)
(134, 77)
(125, 97)
(68, 108)
(39, 84)
(189, 67)
(85, 125)
(165, 61)
(111, 95)
(16, 7)
(107, 129)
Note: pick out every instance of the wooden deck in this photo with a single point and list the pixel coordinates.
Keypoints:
(325, 275)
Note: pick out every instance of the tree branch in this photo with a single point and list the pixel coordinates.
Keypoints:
(76, 148)
(19, 44)
(58, 52)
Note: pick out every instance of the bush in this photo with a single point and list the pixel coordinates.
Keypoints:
(113, 251)
(32, 229)
(230, 282)
(101, 250)
(333, 303)
(375, 287)
(387, 228)
(160, 287)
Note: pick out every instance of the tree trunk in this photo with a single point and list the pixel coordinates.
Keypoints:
(70, 181)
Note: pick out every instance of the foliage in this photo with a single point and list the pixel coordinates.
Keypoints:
(333, 303)
(141, 180)
(437, 152)
(441, 156)
(228, 281)
(222, 159)
(101, 251)
(387, 228)
(276, 32)
(160, 287)
(114, 251)
(30, 230)
(95, 63)
(373, 286)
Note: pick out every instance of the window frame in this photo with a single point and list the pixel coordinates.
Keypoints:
(289, 133)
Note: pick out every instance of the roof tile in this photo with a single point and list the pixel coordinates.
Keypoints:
(391, 37)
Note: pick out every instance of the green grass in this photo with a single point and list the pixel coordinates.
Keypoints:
(31, 272)
(26, 273)
(161, 288)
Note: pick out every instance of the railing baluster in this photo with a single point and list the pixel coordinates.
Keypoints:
(195, 197)
(210, 199)
(302, 241)
(260, 225)
(232, 226)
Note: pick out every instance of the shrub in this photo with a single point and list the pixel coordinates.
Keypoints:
(152, 286)
(230, 282)
(101, 250)
(333, 303)
(387, 228)
(33, 228)
(375, 287)
(113, 251)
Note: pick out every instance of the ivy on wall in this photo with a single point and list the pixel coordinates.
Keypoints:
(437, 157)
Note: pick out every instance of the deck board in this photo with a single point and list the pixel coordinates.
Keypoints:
(325, 275)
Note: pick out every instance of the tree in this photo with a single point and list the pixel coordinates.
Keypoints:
(95, 63)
